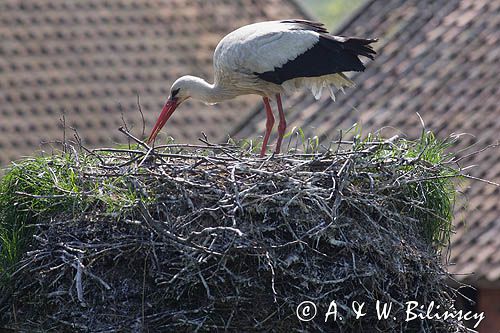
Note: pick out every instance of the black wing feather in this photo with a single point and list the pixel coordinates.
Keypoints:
(308, 25)
(330, 55)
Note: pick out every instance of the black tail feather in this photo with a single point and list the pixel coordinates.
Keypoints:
(361, 46)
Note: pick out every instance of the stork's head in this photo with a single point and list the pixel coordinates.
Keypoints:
(179, 92)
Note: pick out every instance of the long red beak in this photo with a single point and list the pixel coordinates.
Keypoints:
(167, 111)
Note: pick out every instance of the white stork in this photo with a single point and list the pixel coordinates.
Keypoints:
(268, 59)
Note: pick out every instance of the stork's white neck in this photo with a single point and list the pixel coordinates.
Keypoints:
(199, 89)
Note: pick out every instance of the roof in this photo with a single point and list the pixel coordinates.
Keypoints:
(440, 59)
(90, 60)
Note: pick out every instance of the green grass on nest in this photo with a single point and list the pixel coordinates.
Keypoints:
(34, 190)
(208, 233)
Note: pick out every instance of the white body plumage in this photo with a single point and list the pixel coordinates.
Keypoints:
(262, 47)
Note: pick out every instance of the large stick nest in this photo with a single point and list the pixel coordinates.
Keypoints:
(216, 239)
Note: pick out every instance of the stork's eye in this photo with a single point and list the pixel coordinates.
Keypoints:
(175, 92)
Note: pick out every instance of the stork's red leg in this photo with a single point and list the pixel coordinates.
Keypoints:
(282, 125)
(269, 126)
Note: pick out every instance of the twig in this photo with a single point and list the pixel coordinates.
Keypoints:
(78, 280)
(124, 131)
(142, 116)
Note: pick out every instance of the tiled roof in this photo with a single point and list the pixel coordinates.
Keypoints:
(91, 58)
(441, 59)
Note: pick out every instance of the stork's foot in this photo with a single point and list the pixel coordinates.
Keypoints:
(263, 151)
(281, 134)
